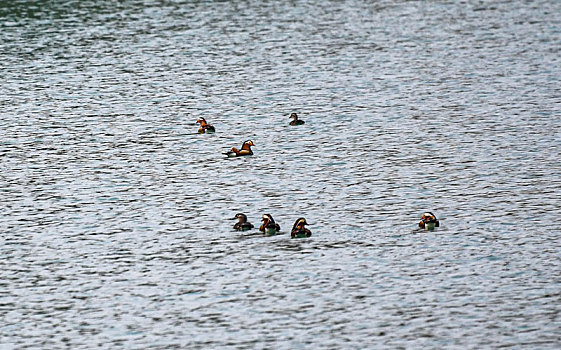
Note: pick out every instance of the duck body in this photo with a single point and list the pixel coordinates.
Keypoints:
(299, 230)
(205, 127)
(428, 221)
(208, 129)
(269, 226)
(244, 151)
(295, 120)
(242, 224)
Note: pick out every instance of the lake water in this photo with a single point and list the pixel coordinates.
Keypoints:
(114, 225)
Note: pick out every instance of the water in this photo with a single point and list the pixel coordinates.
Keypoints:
(114, 217)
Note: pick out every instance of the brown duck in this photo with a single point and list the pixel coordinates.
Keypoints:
(295, 120)
(205, 127)
(269, 226)
(429, 221)
(242, 224)
(298, 229)
(244, 151)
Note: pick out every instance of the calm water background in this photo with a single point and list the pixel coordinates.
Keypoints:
(114, 211)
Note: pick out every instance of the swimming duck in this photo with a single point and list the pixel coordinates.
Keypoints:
(245, 151)
(269, 226)
(296, 121)
(242, 224)
(298, 230)
(428, 221)
(205, 127)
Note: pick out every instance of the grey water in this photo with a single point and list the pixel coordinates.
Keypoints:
(114, 214)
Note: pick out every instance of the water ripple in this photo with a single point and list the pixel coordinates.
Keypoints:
(115, 229)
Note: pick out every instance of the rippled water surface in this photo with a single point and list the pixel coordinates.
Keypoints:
(114, 210)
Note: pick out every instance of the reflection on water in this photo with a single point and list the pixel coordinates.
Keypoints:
(114, 224)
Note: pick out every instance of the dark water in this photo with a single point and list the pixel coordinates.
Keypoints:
(114, 229)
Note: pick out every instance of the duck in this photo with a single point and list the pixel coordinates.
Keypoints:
(428, 221)
(269, 226)
(244, 151)
(296, 121)
(205, 127)
(242, 224)
(298, 229)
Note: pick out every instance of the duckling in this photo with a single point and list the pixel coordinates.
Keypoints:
(242, 224)
(296, 121)
(298, 230)
(428, 221)
(245, 151)
(205, 127)
(269, 226)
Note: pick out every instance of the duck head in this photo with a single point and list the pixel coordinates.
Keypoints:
(247, 145)
(201, 121)
(293, 116)
(299, 224)
(267, 218)
(241, 218)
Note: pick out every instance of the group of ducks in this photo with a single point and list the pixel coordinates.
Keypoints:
(269, 227)
(245, 150)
